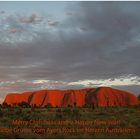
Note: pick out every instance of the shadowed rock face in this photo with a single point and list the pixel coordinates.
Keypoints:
(74, 97)
(103, 96)
(106, 96)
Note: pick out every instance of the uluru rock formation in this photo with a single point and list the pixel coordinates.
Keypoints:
(102, 96)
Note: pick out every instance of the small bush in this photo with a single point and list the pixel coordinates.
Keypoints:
(48, 105)
(67, 110)
(18, 110)
(1, 113)
(139, 97)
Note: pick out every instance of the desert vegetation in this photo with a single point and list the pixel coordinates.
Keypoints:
(139, 97)
(129, 117)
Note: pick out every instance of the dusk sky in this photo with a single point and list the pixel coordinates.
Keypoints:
(64, 45)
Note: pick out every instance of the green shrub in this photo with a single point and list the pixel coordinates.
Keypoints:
(1, 113)
(48, 105)
(24, 105)
(58, 115)
(139, 97)
(76, 112)
(67, 110)
(5, 105)
(18, 110)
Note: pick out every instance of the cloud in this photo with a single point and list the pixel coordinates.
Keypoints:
(53, 23)
(34, 18)
(96, 46)
(16, 30)
(21, 28)
(69, 13)
(2, 12)
(40, 81)
(121, 81)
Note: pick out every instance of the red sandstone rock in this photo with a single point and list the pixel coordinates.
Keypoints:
(74, 97)
(38, 98)
(103, 96)
(15, 98)
(54, 98)
(106, 96)
(25, 96)
(12, 98)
